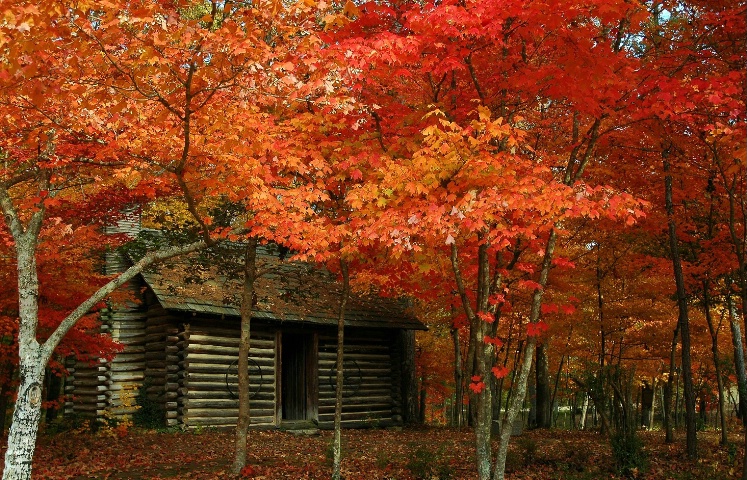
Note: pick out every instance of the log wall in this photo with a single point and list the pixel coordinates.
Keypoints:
(162, 360)
(371, 385)
(99, 387)
(209, 386)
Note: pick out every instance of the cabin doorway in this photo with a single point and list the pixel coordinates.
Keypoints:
(296, 375)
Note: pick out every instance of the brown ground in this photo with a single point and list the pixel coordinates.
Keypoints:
(427, 453)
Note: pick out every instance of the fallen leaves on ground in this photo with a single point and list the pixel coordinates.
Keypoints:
(419, 453)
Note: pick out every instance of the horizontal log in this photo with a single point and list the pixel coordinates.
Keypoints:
(224, 412)
(360, 408)
(191, 422)
(365, 416)
(221, 403)
(228, 351)
(220, 386)
(354, 349)
(164, 330)
(155, 337)
(212, 331)
(369, 388)
(194, 366)
(356, 340)
(377, 423)
(358, 399)
(157, 356)
(120, 411)
(90, 382)
(254, 342)
(83, 368)
(126, 366)
(88, 376)
(200, 395)
(155, 367)
(122, 314)
(93, 410)
(91, 397)
(126, 376)
(156, 346)
(134, 344)
(171, 349)
(368, 374)
(232, 380)
(171, 395)
(171, 414)
(122, 326)
(358, 357)
(121, 386)
(125, 357)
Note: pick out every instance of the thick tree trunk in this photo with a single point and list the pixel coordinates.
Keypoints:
(26, 416)
(32, 362)
(542, 377)
(684, 321)
(247, 296)
(337, 440)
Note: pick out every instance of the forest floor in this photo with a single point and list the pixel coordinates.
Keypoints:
(419, 453)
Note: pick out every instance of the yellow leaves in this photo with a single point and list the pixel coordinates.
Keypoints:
(351, 9)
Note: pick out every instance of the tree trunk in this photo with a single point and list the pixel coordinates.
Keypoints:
(739, 366)
(458, 378)
(499, 473)
(669, 390)
(471, 370)
(32, 361)
(247, 296)
(716, 362)
(684, 321)
(542, 377)
(26, 416)
(409, 381)
(584, 411)
(337, 441)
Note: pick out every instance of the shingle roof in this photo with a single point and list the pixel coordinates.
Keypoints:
(289, 292)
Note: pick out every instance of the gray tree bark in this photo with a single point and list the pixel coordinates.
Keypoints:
(337, 440)
(683, 320)
(247, 296)
(542, 377)
(33, 356)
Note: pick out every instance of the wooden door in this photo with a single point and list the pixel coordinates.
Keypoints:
(295, 352)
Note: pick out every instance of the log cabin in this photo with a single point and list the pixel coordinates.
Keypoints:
(180, 349)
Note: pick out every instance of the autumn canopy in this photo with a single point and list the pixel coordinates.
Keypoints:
(559, 185)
